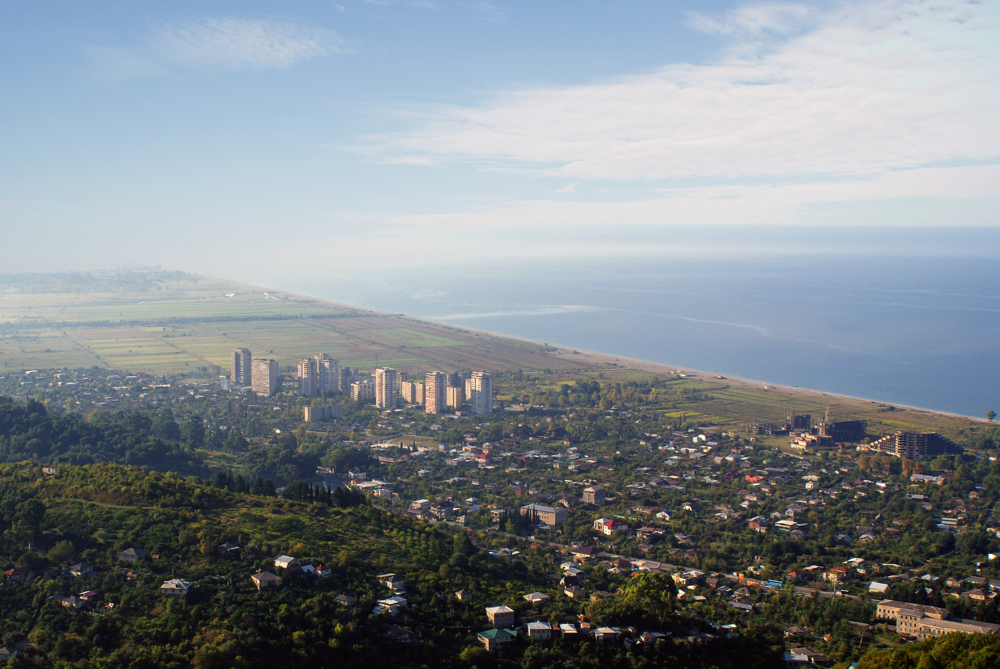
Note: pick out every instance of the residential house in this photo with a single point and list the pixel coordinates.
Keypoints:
(69, 602)
(286, 562)
(81, 570)
(265, 579)
(344, 600)
(495, 639)
(131, 555)
(609, 526)
(391, 581)
(399, 635)
(593, 495)
(391, 606)
(500, 616)
(228, 549)
(604, 635)
(539, 630)
(537, 597)
(463, 595)
(176, 587)
(804, 657)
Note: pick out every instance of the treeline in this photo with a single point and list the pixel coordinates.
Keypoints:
(343, 498)
(29, 432)
(951, 651)
(86, 282)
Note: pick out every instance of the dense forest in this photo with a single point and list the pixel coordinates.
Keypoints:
(28, 432)
(154, 441)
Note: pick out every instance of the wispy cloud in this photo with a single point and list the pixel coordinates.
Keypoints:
(854, 90)
(484, 9)
(216, 44)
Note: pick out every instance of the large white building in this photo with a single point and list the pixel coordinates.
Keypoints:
(386, 387)
(481, 396)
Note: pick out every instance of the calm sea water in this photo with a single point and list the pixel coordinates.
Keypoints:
(916, 331)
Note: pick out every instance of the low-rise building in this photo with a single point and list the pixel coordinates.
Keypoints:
(286, 562)
(921, 621)
(593, 495)
(500, 616)
(539, 630)
(176, 587)
(265, 579)
(546, 514)
(496, 639)
(131, 555)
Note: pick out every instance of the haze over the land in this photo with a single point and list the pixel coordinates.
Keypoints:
(256, 141)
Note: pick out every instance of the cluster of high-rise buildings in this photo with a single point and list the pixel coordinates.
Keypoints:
(437, 393)
(320, 375)
(261, 374)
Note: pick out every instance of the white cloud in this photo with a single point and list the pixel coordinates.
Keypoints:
(216, 43)
(870, 87)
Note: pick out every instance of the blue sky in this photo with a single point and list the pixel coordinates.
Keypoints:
(256, 139)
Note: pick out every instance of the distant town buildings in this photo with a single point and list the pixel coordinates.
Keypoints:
(386, 388)
(363, 391)
(915, 445)
(435, 393)
(241, 370)
(455, 397)
(593, 495)
(328, 375)
(264, 376)
(318, 375)
(412, 392)
(307, 377)
(843, 430)
(481, 395)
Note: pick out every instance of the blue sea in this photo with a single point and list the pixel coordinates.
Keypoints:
(920, 331)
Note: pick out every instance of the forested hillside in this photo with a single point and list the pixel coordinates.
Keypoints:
(91, 513)
(952, 651)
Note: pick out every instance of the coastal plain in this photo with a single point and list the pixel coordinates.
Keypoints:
(172, 323)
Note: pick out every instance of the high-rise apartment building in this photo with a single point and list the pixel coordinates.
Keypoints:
(241, 370)
(455, 397)
(347, 377)
(363, 391)
(307, 377)
(386, 388)
(481, 397)
(914, 445)
(264, 376)
(435, 396)
(412, 392)
(328, 375)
